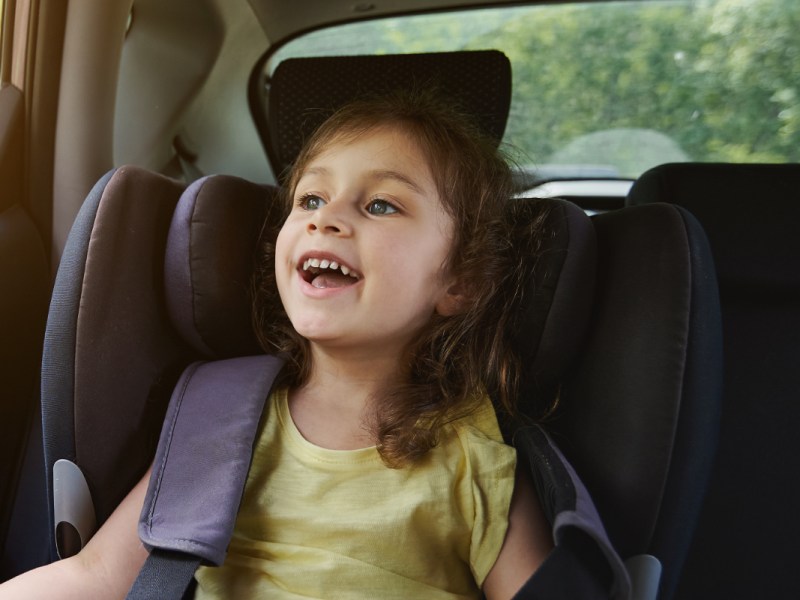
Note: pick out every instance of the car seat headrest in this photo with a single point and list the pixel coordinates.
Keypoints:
(749, 213)
(303, 92)
(209, 263)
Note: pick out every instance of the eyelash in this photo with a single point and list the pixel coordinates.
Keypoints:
(303, 200)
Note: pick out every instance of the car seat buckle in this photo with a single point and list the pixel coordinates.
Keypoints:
(75, 521)
(645, 573)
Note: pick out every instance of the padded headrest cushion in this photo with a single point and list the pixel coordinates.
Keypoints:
(559, 292)
(209, 263)
(749, 212)
(304, 92)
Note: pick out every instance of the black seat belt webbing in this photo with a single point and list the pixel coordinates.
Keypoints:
(164, 576)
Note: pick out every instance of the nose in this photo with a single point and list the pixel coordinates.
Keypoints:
(329, 219)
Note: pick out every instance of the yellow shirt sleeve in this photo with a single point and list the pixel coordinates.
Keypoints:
(492, 466)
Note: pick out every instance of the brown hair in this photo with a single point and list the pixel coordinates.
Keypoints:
(456, 356)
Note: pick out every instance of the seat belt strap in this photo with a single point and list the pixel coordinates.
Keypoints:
(201, 466)
(577, 527)
(165, 575)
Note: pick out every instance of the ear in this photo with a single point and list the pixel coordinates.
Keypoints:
(453, 301)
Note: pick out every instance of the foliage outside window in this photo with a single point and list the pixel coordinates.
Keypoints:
(612, 88)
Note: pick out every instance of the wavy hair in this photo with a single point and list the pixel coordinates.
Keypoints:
(456, 357)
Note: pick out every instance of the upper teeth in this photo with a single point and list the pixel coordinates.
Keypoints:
(327, 264)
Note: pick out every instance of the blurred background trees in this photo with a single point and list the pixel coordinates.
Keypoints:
(624, 85)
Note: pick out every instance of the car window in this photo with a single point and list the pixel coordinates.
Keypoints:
(4, 59)
(606, 90)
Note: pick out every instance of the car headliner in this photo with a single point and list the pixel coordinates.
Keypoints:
(281, 19)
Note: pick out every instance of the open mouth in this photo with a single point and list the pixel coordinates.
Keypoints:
(323, 273)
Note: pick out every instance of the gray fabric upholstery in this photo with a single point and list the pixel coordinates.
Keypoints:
(638, 413)
(209, 263)
(747, 531)
(748, 211)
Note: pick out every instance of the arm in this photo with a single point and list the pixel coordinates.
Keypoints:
(527, 543)
(105, 568)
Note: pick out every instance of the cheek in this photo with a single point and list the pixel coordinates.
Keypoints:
(280, 245)
(282, 260)
(438, 250)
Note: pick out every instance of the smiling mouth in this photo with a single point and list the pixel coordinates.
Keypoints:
(323, 273)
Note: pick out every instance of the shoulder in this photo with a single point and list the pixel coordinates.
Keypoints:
(485, 481)
(480, 422)
(481, 441)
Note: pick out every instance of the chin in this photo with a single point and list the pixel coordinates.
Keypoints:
(314, 332)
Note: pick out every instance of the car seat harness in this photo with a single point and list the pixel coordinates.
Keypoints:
(199, 474)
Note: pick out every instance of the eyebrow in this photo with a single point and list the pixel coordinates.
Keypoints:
(314, 171)
(377, 175)
(380, 175)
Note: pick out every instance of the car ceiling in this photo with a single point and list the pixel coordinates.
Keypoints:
(282, 19)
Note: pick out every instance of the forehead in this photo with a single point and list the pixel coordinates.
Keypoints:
(385, 147)
(394, 135)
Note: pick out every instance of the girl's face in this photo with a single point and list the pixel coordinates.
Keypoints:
(360, 260)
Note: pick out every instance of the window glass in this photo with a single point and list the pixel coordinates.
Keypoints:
(609, 89)
(2, 14)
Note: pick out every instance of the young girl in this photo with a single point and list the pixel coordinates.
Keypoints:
(379, 470)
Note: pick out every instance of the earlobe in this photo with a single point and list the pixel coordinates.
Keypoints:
(453, 301)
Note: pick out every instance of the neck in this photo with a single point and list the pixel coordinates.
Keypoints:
(351, 375)
(334, 407)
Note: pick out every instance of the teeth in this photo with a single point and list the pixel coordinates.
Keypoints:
(316, 263)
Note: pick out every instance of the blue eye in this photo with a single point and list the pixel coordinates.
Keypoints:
(310, 202)
(381, 207)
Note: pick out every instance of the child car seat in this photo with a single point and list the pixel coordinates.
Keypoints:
(190, 468)
(217, 234)
(566, 273)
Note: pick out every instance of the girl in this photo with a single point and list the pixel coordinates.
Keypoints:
(380, 470)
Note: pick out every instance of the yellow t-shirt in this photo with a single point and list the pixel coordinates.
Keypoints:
(319, 523)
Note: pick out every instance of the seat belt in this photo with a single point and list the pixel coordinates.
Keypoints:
(583, 553)
(165, 575)
(200, 470)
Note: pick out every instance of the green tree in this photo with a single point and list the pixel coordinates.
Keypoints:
(719, 78)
